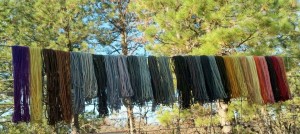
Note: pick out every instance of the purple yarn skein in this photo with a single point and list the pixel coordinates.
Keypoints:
(21, 83)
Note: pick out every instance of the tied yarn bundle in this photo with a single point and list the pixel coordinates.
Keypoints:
(36, 94)
(100, 73)
(53, 103)
(184, 84)
(281, 78)
(167, 86)
(240, 76)
(64, 70)
(113, 93)
(140, 79)
(251, 79)
(161, 80)
(273, 78)
(234, 86)
(264, 78)
(124, 80)
(198, 80)
(222, 70)
(215, 89)
(84, 83)
(21, 83)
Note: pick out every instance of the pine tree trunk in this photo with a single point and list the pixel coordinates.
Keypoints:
(127, 101)
(222, 110)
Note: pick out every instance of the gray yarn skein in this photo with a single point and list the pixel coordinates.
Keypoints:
(124, 79)
(146, 88)
(84, 84)
(113, 93)
(219, 88)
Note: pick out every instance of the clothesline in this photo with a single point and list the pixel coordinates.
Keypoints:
(291, 56)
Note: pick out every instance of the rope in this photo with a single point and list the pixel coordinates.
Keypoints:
(53, 103)
(21, 83)
(198, 80)
(36, 106)
(64, 70)
(100, 73)
(184, 84)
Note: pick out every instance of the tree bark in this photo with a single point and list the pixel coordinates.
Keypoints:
(222, 110)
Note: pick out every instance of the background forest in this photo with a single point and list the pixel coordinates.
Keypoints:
(158, 27)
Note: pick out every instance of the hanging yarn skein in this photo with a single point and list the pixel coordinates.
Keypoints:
(215, 89)
(273, 78)
(284, 77)
(251, 79)
(234, 86)
(281, 78)
(198, 80)
(36, 94)
(64, 70)
(155, 80)
(264, 79)
(113, 92)
(184, 83)
(124, 79)
(240, 76)
(53, 102)
(21, 83)
(223, 73)
(84, 81)
(100, 73)
(140, 79)
(166, 84)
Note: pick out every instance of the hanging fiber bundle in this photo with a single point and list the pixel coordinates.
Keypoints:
(21, 83)
(251, 79)
(135, 79)
(146, 79)
(100, 73)
(264, 79)
(281, 78)
(198, 80)
(124, 85)
(166, 84)
(84, 83)
(113, 92)
(223, 73)
(36, 94)
(64, 70)
(273, 78)
(140, 79)
(240, 76)
(155, 80)
(53, 102)
(234, 86)
(184, 83)
(215, 89)
(284, 77)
